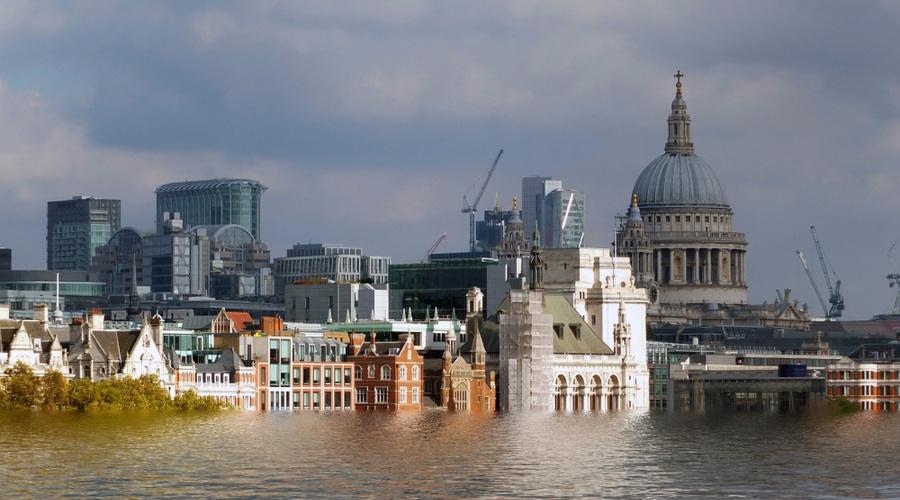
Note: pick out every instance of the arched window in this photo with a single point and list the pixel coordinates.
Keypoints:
(415, 373)
(385, 372)
(358, 372)
(403, 373)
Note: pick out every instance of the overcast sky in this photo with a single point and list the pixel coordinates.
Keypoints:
(368, 121)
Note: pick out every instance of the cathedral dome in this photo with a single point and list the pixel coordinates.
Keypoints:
(679, 180)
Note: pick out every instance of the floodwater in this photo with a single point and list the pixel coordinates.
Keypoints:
(815, 452)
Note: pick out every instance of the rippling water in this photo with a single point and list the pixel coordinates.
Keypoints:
(814, 453)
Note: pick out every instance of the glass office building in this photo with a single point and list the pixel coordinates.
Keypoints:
(76, 227)
(213, 202)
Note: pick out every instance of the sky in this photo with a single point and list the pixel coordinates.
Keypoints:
(369, 121)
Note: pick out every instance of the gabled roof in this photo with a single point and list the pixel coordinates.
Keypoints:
(115, 344)
(241, 319)
(572, 334)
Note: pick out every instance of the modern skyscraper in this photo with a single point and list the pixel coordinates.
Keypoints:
(213, 202)
(558, 213)
(76, 227)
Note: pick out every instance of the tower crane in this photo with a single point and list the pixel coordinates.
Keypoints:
(433, 248)
(471, 208)
(813, 281)
(894, 279)
(834, 292)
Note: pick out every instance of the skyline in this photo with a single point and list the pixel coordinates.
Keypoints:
(369, 122)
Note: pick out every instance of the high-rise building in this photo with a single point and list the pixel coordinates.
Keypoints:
(558, 213)
(76, 227)
(213, 202)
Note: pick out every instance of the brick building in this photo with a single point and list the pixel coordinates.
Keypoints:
(389, 375)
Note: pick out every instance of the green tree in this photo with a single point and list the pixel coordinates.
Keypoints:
(83, 395)
(55, 391)
(23, 388)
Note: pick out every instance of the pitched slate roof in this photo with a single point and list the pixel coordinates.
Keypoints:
(572, 334)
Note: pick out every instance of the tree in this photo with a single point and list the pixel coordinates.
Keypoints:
(55, 391)
(23, 388)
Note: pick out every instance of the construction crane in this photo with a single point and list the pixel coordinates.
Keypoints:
(471, 208)
(813, 281)
(433, 248)
(894, 279)
(834, 292)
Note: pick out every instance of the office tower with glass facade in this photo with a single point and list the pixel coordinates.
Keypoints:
(557, 212)
(213, 202)
(76, 227)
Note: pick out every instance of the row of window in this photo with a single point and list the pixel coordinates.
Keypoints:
(313, 376)
(863, 375)
(386, 372)
(381, 395)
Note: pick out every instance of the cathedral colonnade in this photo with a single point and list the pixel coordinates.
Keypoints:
(700, 266)
(596, 396)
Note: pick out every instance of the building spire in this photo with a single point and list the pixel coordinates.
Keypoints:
(679, 140)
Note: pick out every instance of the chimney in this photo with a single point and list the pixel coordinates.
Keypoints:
(156, 329)
(41, 313)
(96, 319)
(356, 341)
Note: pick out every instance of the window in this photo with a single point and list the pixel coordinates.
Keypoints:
(358, 372)
(327, 400)
(296, 376)
(403, 373)
(347, 400)
(328, 376)
(415, 373)
(668, 219)
(415, 395)
(593, 320)
(305, 400)
(403, 395)
(385, 372)
(371, 371)
(262, 374)
(361, 393)
(316, 376)
(306, 379)
(347, 376)
(381, 395)
(316, 400)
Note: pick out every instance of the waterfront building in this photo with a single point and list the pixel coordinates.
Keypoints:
(300, 373)
(76, 227)
(213, 202)
(22, 289)
(31, 342)
(324, 262)
(718, 382)
(388, 375)
(229, 379)
(678, 230)
(99, 353)
(332, 302)
(465, 383)
(549, 356)
(869, 377)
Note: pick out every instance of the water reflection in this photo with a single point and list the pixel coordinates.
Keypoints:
(441, 455)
